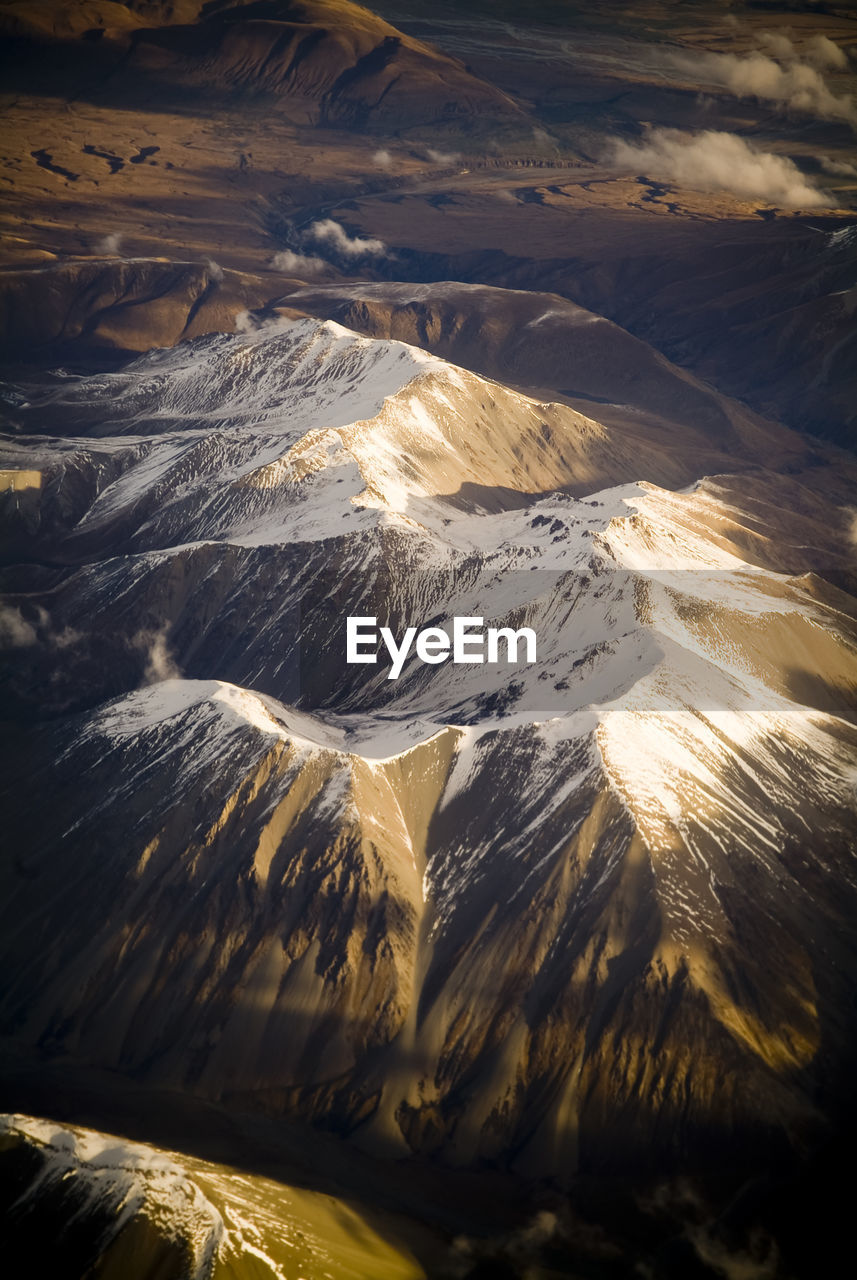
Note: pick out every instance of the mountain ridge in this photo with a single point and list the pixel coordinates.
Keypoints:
(437, 953)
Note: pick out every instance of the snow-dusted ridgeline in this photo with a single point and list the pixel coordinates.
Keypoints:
(109, 1203)
(478, 910)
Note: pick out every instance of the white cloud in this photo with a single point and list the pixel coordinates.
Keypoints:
(331, 233)
(782, 79)
(214, 269)
(820, 51)
(297, 264)
(248, 322)
(824, 53)
(777, 44)
(842, 168)
(159, 661)
(110, 244)
(382, 158)
(15, 631)
(712, 161)
(442, 157)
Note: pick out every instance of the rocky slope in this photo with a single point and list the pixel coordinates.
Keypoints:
(101, 306)
(526, 970)
(522, 916)
(330, 60)
(92, 1203)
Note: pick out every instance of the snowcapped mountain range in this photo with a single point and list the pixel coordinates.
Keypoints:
(520, 914)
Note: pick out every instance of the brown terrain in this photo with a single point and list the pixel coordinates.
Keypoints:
(216, 133)
(308, 311)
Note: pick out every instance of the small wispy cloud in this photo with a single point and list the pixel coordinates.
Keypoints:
(215, 271)
(441, 157)
(15, 631)
(777, 44)
(297, 264)
(159, 661)
(333, 234)
(254, 322)
(246, 322)
(715, 161)
(841, 168)
(110, 245)
(825, 53)
(781, 73)
(382, 158)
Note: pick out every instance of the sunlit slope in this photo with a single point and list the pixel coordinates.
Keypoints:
(266, 421)
(497, 939)
(331, 60)
(232, 500)
(521, 913)
(110, 1208)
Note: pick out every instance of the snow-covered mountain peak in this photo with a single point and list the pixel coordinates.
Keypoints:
(475, 872)
(281, 376)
